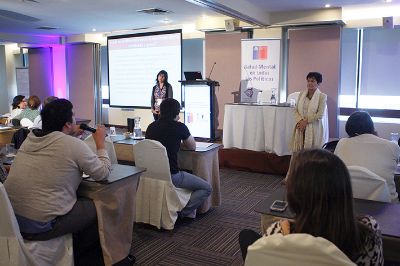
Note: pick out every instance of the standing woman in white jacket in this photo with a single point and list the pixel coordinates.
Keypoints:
(309, 132)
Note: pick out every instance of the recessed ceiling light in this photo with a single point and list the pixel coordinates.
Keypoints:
(166, 21)
(387, 1)
(93, 29)
(327, 5)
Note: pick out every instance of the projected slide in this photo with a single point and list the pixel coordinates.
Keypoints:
(197, 110)
(135, 60)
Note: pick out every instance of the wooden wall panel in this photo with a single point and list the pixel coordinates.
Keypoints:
(316, 49)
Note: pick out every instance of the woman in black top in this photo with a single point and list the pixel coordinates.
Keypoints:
(161, 91)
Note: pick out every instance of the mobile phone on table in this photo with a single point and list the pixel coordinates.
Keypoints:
(279, 205)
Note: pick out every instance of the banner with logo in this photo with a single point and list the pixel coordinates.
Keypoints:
(260, 65)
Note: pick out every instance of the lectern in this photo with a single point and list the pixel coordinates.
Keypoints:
(200, 107)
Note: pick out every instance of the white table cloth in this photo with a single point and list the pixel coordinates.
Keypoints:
(258, 127)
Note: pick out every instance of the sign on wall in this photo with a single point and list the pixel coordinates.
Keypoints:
(260, 64)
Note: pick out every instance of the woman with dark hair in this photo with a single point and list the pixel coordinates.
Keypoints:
(309, 132)
(33, 109)
(319, 193)
(364, 148)
(18, 104)
(161, 91)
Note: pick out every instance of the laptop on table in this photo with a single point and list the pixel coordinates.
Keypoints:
(193, 75)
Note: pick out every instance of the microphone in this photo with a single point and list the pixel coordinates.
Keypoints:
(209, 76)
(87, 128)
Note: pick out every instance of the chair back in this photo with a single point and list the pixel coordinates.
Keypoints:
(368, 185)
(15, 251)
(152, 155)
(157, 199)
(109, 147)
(294, 249)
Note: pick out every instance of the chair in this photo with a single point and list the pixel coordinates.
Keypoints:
(294, 249)
(15, 251)
(109, 147)
(368, 185)
(25, 122)
(157, 199)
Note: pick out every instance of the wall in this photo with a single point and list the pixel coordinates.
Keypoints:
(40, 72)
(80, 74)
(8, 85)
(4, 101)
(224, 49)
(316, 49)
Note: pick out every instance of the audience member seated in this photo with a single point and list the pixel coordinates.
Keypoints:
(37, 123)
(32, 111)
(18, 105)
(45, 176)
(319, 192)
(364, 148)
(172, 134)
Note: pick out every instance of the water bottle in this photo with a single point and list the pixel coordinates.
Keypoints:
(137, 130)
(273, 97)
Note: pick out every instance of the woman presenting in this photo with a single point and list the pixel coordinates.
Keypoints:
(308, 132)
(161, 91)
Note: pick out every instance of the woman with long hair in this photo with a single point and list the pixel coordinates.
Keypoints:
(319, 193)
(161, 91)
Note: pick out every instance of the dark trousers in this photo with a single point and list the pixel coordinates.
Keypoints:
(246, 238)
(81, 221)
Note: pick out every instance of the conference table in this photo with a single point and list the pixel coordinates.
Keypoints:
(114, 200)
(203, 162)
(6, 134)
(386, 214)
(266, 128)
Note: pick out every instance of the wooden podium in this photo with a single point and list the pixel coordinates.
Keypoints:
(200, 107)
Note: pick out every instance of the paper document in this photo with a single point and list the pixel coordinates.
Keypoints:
(203, 144)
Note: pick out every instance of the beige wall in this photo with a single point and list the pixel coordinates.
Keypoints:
(40, 72)
(80, 75)
(224, 49)
(316, 49)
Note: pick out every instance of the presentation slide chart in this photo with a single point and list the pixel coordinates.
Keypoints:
(261, 64)
(133, 64)
(197, 110)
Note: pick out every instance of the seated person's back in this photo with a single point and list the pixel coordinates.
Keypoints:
(46, 173)
(364, 148)
(318, 190)
(171, 133)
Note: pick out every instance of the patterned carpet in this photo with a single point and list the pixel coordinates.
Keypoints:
(212, 238)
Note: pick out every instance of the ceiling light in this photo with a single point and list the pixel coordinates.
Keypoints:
(93, 29)
(327, 5)
(387, 1)
(166, 21)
